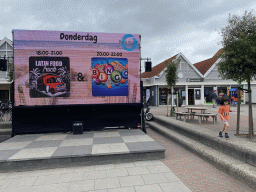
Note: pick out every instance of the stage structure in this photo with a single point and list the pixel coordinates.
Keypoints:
(62, 77)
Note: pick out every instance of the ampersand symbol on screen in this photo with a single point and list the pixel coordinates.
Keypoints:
(80, 77)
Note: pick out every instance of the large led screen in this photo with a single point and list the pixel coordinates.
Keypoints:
(66, 68)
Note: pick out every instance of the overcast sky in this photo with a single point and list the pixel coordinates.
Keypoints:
(167, 27)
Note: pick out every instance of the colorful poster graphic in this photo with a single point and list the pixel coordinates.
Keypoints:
(109, 77)
(49, 77)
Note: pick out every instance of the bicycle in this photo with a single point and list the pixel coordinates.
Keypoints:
(6, 111)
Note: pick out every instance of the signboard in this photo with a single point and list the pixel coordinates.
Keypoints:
(147, 94)
(195, 80)
(64, 68)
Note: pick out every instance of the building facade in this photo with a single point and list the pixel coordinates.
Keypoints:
(195, 84)
(6, 57)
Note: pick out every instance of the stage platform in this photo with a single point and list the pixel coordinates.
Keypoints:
(39, 151)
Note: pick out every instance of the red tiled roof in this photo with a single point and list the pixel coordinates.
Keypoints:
(204, 66)
(218, 53)
(156, 70)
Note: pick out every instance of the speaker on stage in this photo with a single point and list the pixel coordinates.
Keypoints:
(78, 127)
(148, 66)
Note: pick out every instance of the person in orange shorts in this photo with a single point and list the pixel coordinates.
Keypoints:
(223, 111)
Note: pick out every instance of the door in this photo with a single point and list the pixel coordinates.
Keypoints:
(197, 96)
(191, 97)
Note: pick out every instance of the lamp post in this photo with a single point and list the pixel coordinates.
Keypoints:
(142, 112)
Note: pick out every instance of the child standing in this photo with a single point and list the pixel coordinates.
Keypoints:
(223, 111)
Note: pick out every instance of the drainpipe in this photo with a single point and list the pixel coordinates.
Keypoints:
(202, 94)
(187, 95)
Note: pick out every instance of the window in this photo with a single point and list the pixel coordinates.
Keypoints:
(53, 80)
(198, 94)
(3, 65)
(4, 94)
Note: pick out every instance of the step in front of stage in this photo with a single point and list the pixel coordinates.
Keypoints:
(49, 150)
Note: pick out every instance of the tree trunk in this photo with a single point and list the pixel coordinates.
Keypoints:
(171, 103)
(167, 103)
(238, 113)
(177, 101)
(251, 133)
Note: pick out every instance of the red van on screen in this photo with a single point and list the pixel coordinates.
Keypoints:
(50, 83)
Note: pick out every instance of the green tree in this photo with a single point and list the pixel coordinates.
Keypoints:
(10, 70)
(238, 54)
(171, 75)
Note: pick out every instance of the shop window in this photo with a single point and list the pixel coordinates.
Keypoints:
(4, 95)
(183, 94)
(208, 93)
(3, 65)
(163, 96)
(222, 91)
(198, 94)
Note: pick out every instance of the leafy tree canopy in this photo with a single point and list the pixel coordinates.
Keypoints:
(10, 72)
(239, 48)
(171, 71)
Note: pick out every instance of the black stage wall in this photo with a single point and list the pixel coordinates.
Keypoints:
(46, 119)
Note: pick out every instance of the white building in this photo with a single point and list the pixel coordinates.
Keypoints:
(6, 53)
(195, 84)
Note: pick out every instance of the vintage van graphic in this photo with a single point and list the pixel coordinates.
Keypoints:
(50, 83)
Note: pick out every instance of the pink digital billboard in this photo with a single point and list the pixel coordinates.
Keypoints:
(66, 68)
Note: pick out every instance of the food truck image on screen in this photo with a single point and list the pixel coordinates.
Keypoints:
(50, 83)
(49, 77)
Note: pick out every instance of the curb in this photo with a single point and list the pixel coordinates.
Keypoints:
(235, 168)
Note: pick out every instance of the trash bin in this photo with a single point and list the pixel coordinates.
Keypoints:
(77, 127)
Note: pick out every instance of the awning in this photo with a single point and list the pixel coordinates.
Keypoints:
(234, 89)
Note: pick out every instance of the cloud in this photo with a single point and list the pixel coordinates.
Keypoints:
(7, 9)
(166, 27)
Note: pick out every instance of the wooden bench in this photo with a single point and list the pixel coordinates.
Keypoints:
(185, 114)
(206, 116)
(192, 114)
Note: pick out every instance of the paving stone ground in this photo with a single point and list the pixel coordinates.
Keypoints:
(181, 170)
(197, 174)
(244, 118)
(140, 176)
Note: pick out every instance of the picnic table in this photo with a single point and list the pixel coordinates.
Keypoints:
(203, 109)
(200, 116)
